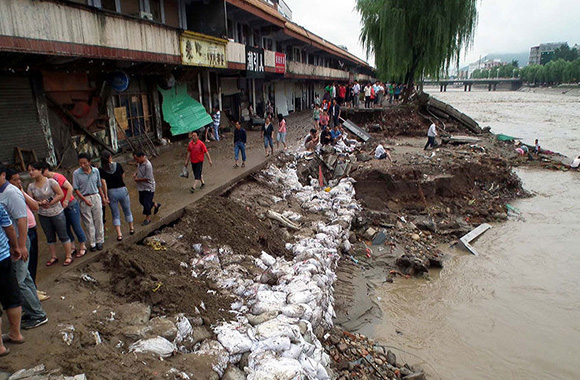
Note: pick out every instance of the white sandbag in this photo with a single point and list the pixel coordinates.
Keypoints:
(220, 356)
(184, 329)
(294, 311)
(278, 369)
(267, 259)
(232, 339)
(159, 346)
(275, 343)
(293, 352)
(274, 327)
(304, 296)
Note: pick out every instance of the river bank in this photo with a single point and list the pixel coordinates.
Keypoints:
(230, 262)
(509, 312)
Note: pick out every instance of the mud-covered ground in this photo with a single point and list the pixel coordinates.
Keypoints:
(411, 205)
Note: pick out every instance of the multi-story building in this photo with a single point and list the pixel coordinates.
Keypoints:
(88, 75)
(542, 53)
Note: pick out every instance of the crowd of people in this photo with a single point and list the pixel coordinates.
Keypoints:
(72, 213)
(374, 95)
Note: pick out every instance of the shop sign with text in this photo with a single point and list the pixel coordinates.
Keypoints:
(255, 66)
(280, 62)
(201, 50)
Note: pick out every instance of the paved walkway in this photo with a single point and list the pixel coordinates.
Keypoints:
(173, 192)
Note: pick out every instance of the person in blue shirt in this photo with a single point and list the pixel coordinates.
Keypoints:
(9, 289)
(335, 134)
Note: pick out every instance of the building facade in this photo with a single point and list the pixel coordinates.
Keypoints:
(542, 53)
(88, 75)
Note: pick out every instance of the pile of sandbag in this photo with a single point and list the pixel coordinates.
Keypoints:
(280, 313)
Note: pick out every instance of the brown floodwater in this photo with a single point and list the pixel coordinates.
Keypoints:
(513, 312)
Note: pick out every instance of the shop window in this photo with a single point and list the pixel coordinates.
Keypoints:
(111, 5)
(138, 108)
(156, 10)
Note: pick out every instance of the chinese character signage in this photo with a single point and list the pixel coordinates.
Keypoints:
(255, 66)
(280, 63)
(201, 50)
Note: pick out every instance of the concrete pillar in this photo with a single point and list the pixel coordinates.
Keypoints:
(489, 87)
(199, 88)
(441, 88)
(494, 86)
(42, 110)
(219, 89)
(209, 91)
(254, 94)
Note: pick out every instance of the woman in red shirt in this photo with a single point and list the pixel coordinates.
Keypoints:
(196, 150)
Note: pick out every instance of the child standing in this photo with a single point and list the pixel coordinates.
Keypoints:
(316, 116)
(281, 132)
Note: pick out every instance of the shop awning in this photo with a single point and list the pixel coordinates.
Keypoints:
(183, 113)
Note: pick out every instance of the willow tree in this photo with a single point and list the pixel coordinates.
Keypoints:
(410, 37)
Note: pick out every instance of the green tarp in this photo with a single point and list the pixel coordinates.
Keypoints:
(501, 137)
(182, 112)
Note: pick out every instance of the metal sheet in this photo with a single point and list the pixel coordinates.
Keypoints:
(353, 128)
(19, 126)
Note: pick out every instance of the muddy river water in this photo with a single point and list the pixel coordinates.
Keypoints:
(513, 312)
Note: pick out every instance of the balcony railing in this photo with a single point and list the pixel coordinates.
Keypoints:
(75, 30)
(316, 71)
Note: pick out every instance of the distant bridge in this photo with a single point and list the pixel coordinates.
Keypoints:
(515, 83)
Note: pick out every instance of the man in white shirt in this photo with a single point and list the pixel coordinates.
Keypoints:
(381, 153)
(356, 91)
(431, 133)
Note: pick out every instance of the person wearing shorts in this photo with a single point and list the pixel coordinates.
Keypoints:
(9, 289)
(196, 152)
(281, 132)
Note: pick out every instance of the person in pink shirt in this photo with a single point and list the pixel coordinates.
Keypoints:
(72, 211)
(281, 132)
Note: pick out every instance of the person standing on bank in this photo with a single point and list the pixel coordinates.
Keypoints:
(9, 292)
(13, 201)
(216, 117)
(31, 206)
(431, 133)
(89, 190)
(196, 151)
(112, 179)
(240, 137)
(267, 133)
(145, 181)
(281, 132)
(72, 211)
(48, 194)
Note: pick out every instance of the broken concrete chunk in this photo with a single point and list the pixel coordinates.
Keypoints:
(370, 233)
(134, 313)
(234, 373)
(28, 373)
(161, 326)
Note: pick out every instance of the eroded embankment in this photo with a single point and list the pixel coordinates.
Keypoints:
(240, 287)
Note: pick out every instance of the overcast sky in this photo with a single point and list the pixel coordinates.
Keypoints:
(504, 26)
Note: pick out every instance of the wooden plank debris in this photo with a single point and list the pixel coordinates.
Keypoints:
(472, 235)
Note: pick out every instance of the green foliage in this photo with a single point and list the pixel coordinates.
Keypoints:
(553, 72)
(421, 37)
(510, 70)
(564, 52)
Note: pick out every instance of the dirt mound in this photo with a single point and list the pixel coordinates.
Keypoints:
(411, 120)
(464, 187)
(231, 224)
(163, 278)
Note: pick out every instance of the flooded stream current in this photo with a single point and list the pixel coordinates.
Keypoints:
(514, 311)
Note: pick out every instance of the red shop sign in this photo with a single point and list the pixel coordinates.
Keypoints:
(280, 63)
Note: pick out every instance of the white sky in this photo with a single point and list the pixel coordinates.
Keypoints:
(504, 26)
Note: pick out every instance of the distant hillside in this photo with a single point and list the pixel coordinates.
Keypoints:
(522, 58)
